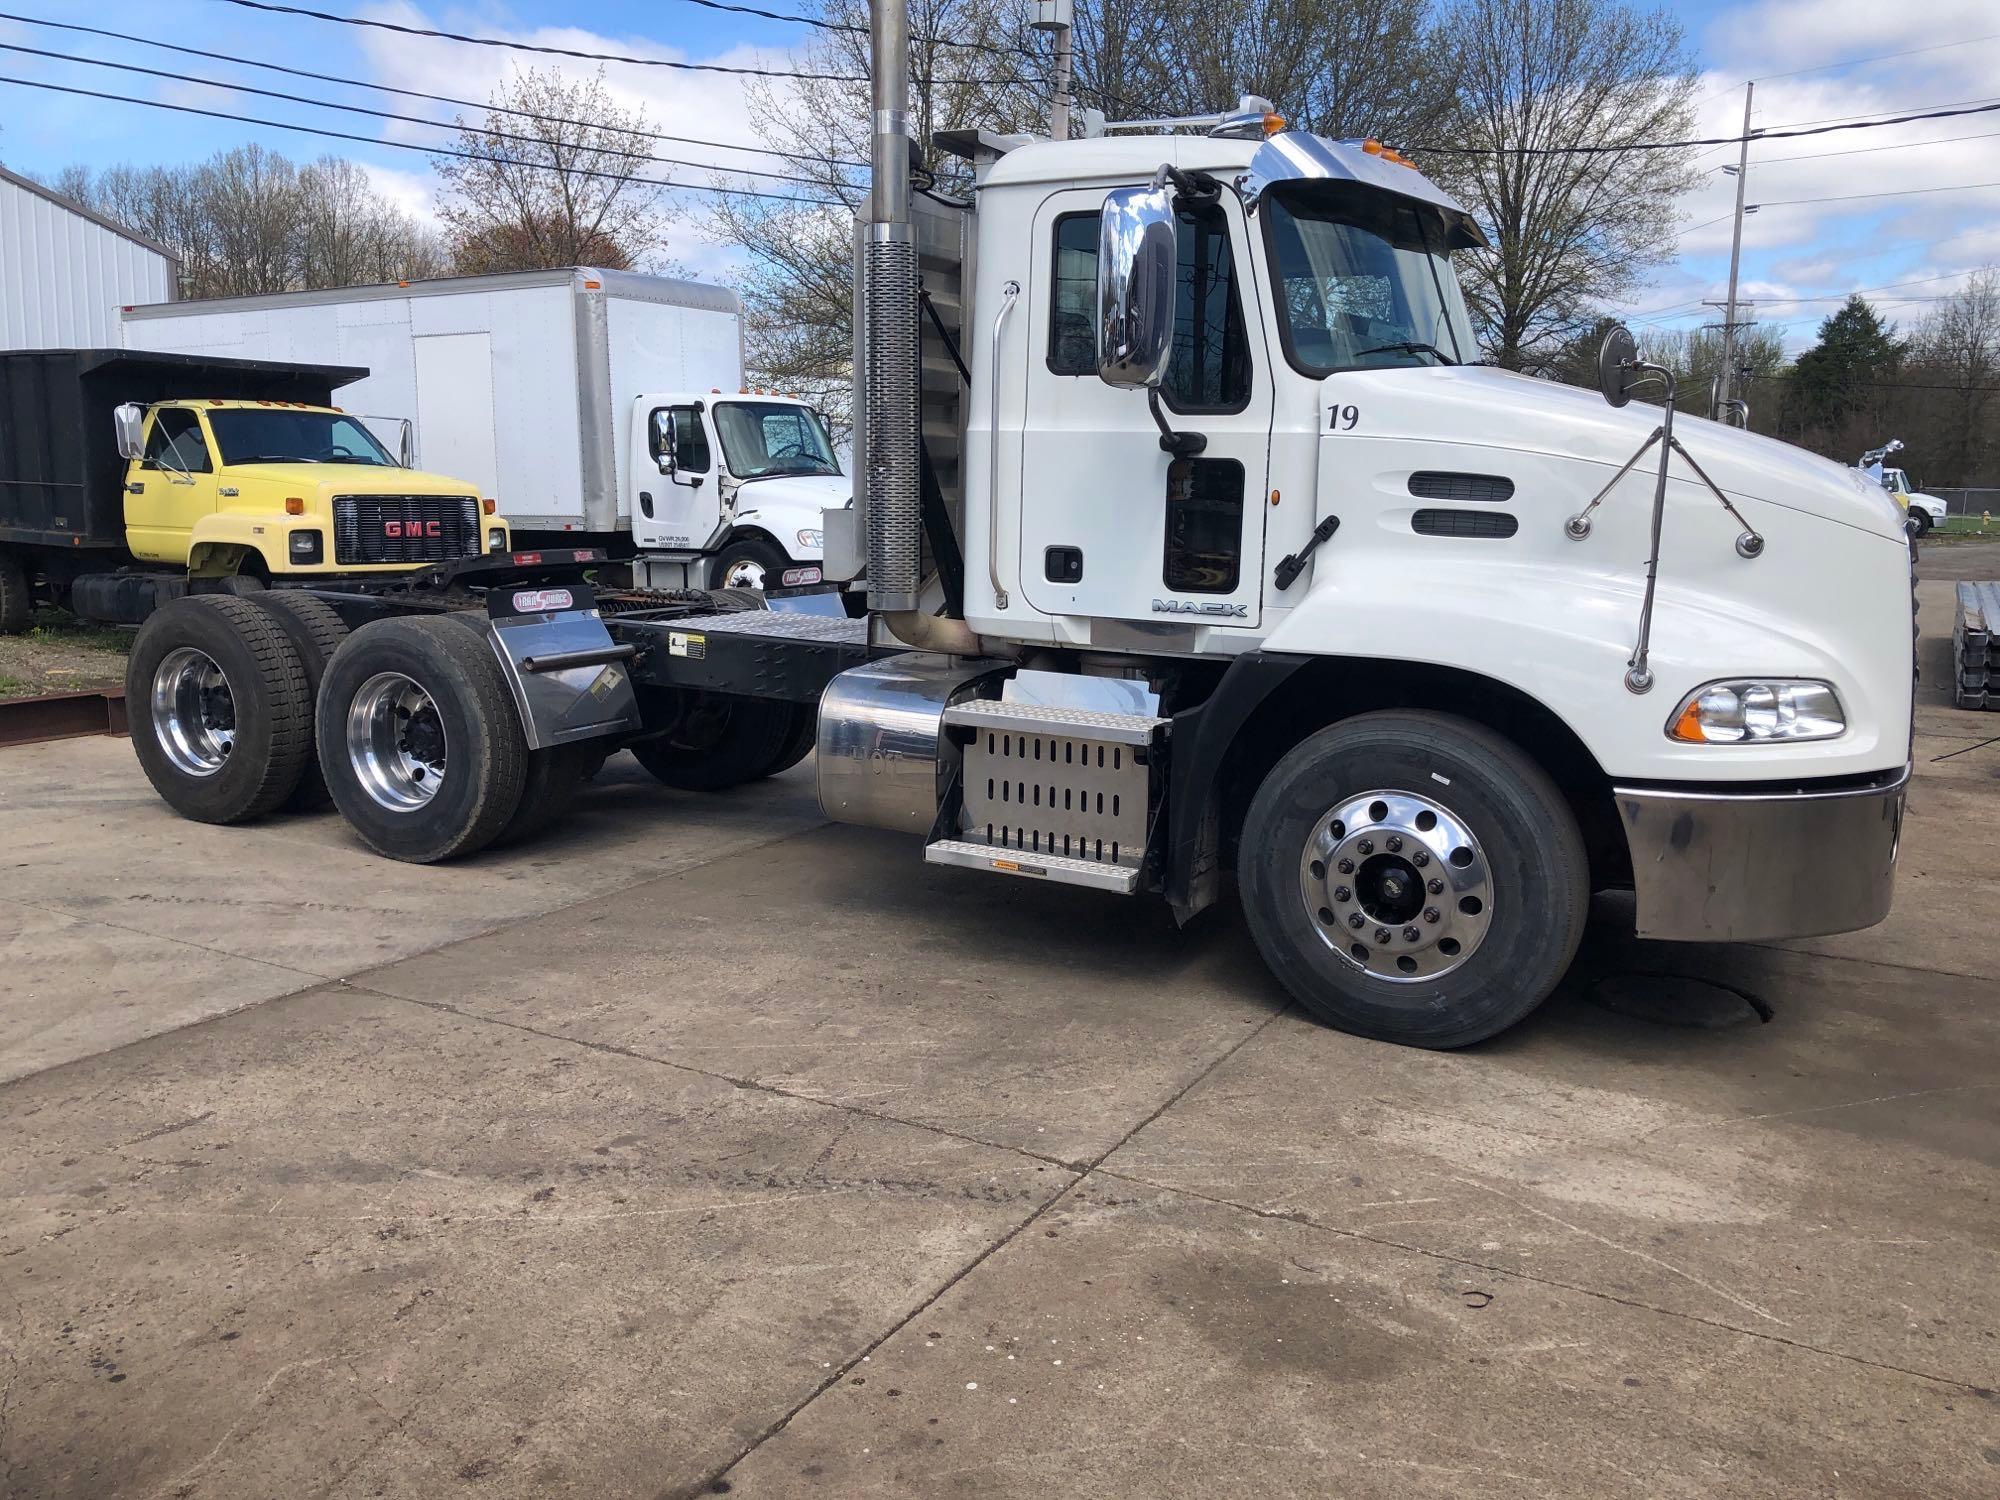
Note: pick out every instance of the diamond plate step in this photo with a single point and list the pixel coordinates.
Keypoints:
(1074, 723)
(1121, 880)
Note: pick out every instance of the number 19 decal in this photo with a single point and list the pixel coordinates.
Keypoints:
(1342, 418)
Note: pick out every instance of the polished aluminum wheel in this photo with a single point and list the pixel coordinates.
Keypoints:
(396, 742)
(194, 716)
(1397, 885)
(744, 573)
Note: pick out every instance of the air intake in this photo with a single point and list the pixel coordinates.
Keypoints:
(1436, 485)
(1464, 523)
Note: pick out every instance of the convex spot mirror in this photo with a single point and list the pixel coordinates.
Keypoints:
(1617, 365)
(129, 422)
(1136, 263)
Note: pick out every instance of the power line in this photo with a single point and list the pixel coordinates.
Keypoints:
(854, 28)
(385, 88)
(1869, 114)
(383, 114)
(348, 135)
(1962, 187)
(616, 57)
(1719, 140)
(1772, 161)
(1878, 57)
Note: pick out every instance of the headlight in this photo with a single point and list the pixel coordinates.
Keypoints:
(306, 547)
(812, 537)
(496, 540)
(1752, 712)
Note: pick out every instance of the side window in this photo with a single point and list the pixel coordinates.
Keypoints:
(176, 439)
(678, 430)
(1210, 368)
(1204, 526)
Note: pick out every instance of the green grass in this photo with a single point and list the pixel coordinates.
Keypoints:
(11, 685)
(56, 627)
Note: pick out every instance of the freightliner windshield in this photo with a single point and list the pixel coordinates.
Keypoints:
(1364, 282)
(763, 438)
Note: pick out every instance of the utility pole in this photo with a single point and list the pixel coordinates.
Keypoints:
(1056, 16)
(1736, 255)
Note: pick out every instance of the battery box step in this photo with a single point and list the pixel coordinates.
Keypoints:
(1098, 875)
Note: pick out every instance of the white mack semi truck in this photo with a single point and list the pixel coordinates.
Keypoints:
(1198, 550)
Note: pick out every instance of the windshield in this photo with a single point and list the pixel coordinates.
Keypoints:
(762, 438)
(286, 435)
(1366, 282)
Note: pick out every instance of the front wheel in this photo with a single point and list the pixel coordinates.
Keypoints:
(1920, 522)
(750, 563)
(1414, 878)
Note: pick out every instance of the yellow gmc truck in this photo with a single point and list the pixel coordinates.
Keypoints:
(129, 478)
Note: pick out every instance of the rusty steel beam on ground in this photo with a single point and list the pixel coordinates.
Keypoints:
(61, 716)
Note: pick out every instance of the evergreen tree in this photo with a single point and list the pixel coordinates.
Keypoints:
(1856, 350)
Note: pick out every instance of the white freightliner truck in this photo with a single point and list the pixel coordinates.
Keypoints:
(606, 408)
(1247, 570)
(1924, 512)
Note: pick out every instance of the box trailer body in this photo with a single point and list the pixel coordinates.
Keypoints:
(522, 384)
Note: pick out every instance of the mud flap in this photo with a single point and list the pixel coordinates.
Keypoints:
(569, 679)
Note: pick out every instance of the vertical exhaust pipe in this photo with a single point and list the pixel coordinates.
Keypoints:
(893, 497)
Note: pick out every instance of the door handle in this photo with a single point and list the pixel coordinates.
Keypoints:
(135, 487)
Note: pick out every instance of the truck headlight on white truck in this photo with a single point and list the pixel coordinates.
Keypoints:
(1753, 712)
(811, 537)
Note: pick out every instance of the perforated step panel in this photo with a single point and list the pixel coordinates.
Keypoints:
(1058, 793)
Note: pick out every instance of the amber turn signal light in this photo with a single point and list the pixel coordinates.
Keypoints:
(295, 505)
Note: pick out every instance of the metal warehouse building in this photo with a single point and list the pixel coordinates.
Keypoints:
(65, 271)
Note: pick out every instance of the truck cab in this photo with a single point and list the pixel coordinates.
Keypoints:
(286, 489)
(728, 490)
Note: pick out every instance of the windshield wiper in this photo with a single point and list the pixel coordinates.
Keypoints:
(1409, 346)
(269, 458)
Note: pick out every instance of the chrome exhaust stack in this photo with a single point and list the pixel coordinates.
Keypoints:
(892, 497)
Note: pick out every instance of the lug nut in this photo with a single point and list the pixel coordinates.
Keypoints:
(1436, 887)
(1355, 920)
(1395, 843)
(1346, 867)
(1342, 893)
(1366, 846)
(1411, 934)
(1420, 859)
(1430, 913)
(1381, 934)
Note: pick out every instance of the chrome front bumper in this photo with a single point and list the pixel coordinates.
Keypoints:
(1733, 866)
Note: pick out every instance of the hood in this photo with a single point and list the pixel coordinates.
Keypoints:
(786, 504)
(348, 479)
(1502, 409)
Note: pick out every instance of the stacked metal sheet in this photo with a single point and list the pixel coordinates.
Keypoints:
(1975, 642)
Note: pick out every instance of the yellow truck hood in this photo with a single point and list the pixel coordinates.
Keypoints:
(346, 479)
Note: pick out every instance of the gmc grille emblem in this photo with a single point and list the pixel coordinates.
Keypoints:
(412, 529)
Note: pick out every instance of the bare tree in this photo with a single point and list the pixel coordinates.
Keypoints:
(1956, 346)
(1573, 230)
(557, 179)
(348, 235)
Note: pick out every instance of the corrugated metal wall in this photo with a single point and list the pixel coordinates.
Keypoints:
(63, 277)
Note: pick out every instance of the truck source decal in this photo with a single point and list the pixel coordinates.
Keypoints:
(1192, 607)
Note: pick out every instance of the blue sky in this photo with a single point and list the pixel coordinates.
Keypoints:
(1799, 258)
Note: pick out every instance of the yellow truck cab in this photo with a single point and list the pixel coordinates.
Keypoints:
(272, 488)
(129, 478)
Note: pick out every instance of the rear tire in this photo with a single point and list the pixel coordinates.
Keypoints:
(17, 604)
(315, 632)
(1414, 878)
(722, 742)
(419, 739)
(221, 716)
(549, 788)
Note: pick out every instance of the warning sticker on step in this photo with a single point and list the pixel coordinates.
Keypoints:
(683, 643)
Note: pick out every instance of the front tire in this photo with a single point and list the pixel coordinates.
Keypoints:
(1920, 523)
(750, 563)
(419, 740)
(1414, 878)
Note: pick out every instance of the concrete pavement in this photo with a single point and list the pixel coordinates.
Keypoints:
(710, 1149)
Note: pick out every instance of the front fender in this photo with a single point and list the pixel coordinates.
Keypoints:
(1561, 629)
(219, 543)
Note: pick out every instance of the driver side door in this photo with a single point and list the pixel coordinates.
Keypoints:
(678, 508)
(171, 486)
(1111, 526)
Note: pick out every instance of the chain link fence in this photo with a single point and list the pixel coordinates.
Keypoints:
(1975, 509)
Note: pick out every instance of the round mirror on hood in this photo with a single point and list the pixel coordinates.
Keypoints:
(1617, 365)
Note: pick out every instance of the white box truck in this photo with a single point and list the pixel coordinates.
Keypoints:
(596, 406)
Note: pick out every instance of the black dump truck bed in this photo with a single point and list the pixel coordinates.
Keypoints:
(61, 479)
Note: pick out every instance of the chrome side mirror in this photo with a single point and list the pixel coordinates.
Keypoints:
(1136, 262)
(128, 420)
(406, 444)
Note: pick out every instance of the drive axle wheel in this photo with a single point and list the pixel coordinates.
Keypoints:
(1414, 878)
(418, 739)
(220, 708)
(723, 741)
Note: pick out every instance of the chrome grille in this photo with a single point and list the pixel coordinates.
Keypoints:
(404, 528)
